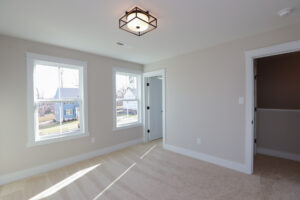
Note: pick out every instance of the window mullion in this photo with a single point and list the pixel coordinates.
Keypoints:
(57, 100)
(61, 103)
(59, 83)
(127, 99)
(61, 116)
(81, 118)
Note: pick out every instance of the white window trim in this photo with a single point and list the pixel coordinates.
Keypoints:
(139, 88)
(31, 58)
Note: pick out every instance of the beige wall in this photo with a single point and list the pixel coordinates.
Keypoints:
(202, 90)
(14, 155)
(278, 130)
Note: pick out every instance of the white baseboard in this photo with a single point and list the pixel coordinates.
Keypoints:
(280, 154)
(7, 178)
(207, 158)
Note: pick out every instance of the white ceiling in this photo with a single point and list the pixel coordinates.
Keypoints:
(183, 25)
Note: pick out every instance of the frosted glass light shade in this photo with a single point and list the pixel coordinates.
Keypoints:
(137, 24)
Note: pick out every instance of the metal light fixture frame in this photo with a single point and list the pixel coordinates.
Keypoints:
(152, 22)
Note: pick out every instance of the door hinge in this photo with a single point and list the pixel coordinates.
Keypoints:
(255, 77)
(255, 140)
(148, 84)
(252, 122)
(148, 107)
(255, 109)
(148, 131)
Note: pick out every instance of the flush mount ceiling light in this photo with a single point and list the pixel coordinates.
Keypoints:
(137, 22)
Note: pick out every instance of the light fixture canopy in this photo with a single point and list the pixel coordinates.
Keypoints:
(137, 22)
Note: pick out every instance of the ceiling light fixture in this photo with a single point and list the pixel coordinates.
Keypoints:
(137, 22)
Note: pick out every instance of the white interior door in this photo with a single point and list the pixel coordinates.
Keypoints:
(155, 111)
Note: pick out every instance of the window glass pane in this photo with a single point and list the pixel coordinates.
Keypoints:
(58, 118)
(48, 118)
(126, 86)
(127, 112)
(69, 83)
(71, 117)
(46, 82)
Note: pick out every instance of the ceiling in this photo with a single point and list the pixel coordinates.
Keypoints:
(183, 25)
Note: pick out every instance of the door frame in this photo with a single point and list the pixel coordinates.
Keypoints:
(146, 119)
(249, 107)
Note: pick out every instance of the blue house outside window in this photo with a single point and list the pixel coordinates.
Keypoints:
(70, 110)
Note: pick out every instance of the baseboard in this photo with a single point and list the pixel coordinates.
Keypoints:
(280, 154)
(208, 158)
(7, 178)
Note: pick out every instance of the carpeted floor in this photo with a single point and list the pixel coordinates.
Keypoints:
(146, 171)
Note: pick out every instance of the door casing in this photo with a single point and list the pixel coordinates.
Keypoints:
(249, 107)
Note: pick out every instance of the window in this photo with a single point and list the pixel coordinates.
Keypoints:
(127, 109)
(56, 97)
(69, 112)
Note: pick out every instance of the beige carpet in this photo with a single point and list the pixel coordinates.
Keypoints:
(147, 171)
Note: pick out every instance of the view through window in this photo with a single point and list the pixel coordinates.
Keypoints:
(127, 99)
(57, 99)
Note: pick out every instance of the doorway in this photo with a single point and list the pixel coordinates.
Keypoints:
(154, 109)
(250, 94)
(277, 111)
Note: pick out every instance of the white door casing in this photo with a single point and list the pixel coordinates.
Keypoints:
(249, 107)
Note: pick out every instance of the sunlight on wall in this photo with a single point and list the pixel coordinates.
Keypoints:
(55, 188)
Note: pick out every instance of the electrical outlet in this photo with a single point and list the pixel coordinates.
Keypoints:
(198, 140)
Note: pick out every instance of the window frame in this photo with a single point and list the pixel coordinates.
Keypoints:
(138, 74)
(32, 60)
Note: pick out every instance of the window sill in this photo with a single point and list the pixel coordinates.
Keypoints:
(127, 126)
(57, 139)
